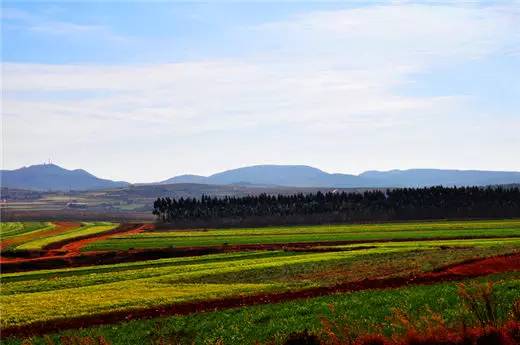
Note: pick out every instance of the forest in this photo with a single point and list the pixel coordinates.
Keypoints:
(391, 204)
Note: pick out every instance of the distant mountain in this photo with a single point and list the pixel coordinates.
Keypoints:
(305, 176)
(275, 175)
(50, 177)
(46, 177)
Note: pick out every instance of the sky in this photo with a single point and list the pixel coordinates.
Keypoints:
(143, 91)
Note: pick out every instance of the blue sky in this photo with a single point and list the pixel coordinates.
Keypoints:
(146, 91)
(160, 31)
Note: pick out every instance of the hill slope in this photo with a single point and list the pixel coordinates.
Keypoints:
(52, 177)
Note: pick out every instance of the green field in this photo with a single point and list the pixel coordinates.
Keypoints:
(43, 295)
(322, 233)
(380, 251)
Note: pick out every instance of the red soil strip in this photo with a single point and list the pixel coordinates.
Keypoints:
(60, 227)
(478, 268)
(74, 247)
(484, 267)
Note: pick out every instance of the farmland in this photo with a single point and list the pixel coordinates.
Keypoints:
(256, 283)
(85, 230)
(366, 310)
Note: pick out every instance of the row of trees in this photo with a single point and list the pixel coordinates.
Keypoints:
(392, 204)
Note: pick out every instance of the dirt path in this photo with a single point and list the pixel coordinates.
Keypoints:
(469, 269)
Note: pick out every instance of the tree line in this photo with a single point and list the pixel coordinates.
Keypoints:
(392, 204)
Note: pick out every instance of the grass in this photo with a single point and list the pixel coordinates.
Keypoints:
(364, 311)
(84, 230)
(269, 235)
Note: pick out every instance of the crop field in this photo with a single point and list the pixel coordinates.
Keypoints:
(292, 234)
(259, 284)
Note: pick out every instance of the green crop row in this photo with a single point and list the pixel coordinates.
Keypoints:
(215, 238)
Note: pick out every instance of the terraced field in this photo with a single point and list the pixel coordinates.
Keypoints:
(37, 236)
(359, 266)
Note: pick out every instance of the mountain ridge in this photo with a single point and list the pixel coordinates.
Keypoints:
(51, 177)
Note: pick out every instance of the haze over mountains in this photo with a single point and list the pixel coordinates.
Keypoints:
(52, 177)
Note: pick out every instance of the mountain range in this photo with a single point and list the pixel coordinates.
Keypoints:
(305, 176)
(52, 177)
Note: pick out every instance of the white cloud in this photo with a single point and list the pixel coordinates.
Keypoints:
(335, 78)
(416, 34)
(196, 97)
